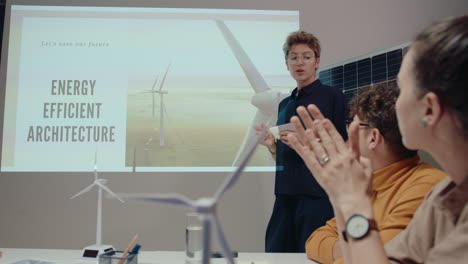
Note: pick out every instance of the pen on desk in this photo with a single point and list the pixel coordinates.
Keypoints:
(135, 249)
(130, 246)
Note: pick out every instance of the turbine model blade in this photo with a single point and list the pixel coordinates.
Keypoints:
(86, 189)
(222, 242)
(250, 137)
(164, 78)
(253, 76)
(169, 198)
(230, 181)
(109, 191)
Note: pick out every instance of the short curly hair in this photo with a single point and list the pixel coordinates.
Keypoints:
(302, 37)
(376, 106)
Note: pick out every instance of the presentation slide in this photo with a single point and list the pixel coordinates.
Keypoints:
(144, 89)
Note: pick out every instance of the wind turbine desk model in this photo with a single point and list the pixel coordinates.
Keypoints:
(93, 251)
(206, 207)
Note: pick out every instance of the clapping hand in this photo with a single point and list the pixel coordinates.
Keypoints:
(337, 166)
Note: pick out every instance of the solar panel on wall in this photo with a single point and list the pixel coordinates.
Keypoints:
(364, 72)
(394, 59)
(349, 94)
(337, 77)
(350, 76)
(325, 77)
(360, 74)
(379, 68)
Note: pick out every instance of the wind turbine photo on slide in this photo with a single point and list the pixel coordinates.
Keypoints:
(265, 99)
(162, 107)
(93, 251)
(162, 118)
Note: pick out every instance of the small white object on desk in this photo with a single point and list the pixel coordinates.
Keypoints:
(94, 251)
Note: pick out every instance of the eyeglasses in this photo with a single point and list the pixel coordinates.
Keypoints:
(295, 59)
(349, 121)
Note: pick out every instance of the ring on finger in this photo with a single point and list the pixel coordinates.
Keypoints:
(324, 159)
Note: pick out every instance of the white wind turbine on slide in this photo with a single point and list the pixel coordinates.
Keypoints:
(266, 100)
(153, 92)
(162, 113)
(162, 107)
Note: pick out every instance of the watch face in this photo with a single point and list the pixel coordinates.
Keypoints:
(357, 226)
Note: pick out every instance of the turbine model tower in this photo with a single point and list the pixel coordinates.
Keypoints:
(206, 207)
(95, 250)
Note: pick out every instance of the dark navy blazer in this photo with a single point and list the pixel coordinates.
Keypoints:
(292, 175)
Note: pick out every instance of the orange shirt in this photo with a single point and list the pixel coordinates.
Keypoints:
(398, 190)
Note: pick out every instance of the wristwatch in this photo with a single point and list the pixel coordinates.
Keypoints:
(358, 227)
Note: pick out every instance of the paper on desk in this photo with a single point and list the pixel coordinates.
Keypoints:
(31, 261)
(72, 261)
(213, 261)
(285, 127)
(223, 261)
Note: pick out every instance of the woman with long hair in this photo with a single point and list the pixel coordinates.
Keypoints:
(432, 111)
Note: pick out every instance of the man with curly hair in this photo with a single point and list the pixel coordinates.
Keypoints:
(400, 181)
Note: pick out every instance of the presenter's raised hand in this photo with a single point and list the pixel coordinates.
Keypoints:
(337, 166)
(268, 140)
(284, 136)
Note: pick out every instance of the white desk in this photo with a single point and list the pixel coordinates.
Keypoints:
(64, 256)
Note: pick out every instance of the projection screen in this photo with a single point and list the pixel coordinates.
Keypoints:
(139, 88)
